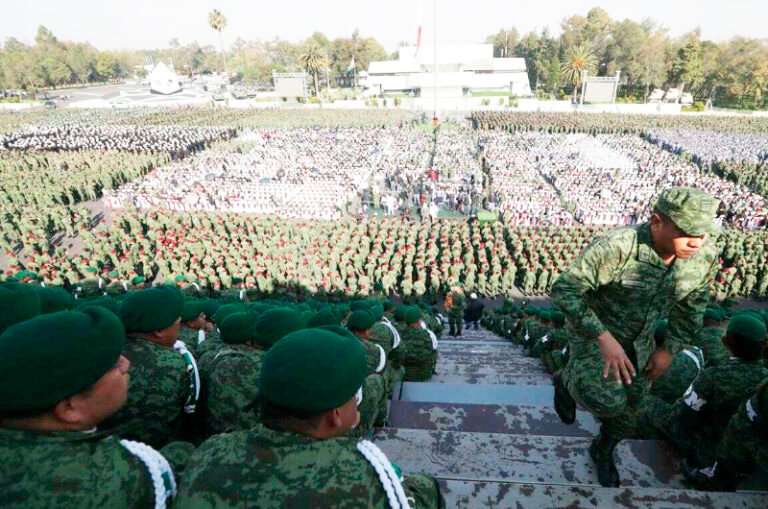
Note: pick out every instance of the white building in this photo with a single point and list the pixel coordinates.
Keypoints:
(164, 80)
(462, 69)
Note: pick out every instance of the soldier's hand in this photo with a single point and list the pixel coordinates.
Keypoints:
(657, 364)
(616, 362)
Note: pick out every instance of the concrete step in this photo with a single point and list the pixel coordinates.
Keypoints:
(480, 394)
(525, 458)
(493, 495)
(514, 420)
(473, 335)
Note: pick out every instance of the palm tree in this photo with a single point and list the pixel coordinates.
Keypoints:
(578, 59)
(218, 22)
(314, 60)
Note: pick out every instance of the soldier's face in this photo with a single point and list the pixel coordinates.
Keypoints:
(349, 415)
(106, 396)
(670, 240)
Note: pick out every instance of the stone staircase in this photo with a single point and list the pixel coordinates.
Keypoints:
(485, 427)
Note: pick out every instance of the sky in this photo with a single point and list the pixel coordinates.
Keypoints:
(144, 24)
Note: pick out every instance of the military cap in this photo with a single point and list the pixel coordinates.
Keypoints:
(692, 210)
(558, 317)
(358, 305)
(748, 327)
(227, 309)
(712, 314)
(361, 320)
(400, 312)
(338, 329)
(192, 309)
(104, 301)
(276, 323)
(54, 299)
(292, 367)
(324, 317)
(412, 315)
(238, 328)
(137, 280)
(152, 309)
(54, 356)
(19, 302)
(209, 308)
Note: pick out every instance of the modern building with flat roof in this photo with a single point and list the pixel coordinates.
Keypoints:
(462, 70)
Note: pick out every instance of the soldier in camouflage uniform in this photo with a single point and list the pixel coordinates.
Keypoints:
(612, 296)
(50, 452)
(231, 376)
(455, 310)
(420, 348)
(742, 448)
(302, 455)
(696, 421)
(711, 339)
(193, 324)
(165, 383)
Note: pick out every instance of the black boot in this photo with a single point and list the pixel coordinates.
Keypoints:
(565, 405)
(607, 474)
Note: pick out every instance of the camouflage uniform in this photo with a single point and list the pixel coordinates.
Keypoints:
(685, 367)
(711, 342)
(67, 469)
(157, 393)
(619, 284)
(266, 468)
(231, 378)
(696, 421)
(420, 354)
(456, 314)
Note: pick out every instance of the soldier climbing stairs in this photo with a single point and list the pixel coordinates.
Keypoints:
(485, 427)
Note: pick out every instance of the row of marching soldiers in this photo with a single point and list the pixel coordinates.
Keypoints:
(712, 402)
(153, 400)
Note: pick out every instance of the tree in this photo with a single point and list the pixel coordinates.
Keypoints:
(313, 59)
(218, 22)
(577, 60)
(106, 67)
(504, 42)
(687, 66)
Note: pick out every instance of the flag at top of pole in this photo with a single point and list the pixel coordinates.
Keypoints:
(420, 14)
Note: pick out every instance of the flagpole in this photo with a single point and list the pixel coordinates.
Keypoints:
(434, 15)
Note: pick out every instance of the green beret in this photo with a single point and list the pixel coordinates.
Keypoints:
(153, 309)
(292, 367)
(238, 328)
(113, 274)
(712, 314)
(546, 314)
(192, 309)
(54, 299)
(530, 310)
(19, 302)
(748, 327)
(558, 317)
(276, 323)
(360, 320)
(692, 210)
(359, 305)
(226, 310)
(400, 312)
(137, 280)
(209, 308)
(338, 329)
(104, 301)
(324, 317)
(412, 315)
(54, 356)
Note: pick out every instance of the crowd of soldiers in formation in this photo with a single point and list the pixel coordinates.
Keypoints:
(220, 405)
(711, 403)
(217, 252)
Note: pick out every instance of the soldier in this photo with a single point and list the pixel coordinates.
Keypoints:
(613, 294)
(685, 367)
(711, 338)
(19, 302)
(165, 383)
(302, 453)
(742, 448)
(193, 324)
(454, 305)
(696, 421)
(420, 349)
(62, 375)
(361, 323)
(231, 377)
(474, 311)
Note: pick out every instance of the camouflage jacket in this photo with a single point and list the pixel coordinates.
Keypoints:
(377, 357)
(711, 341)
(715, 395)
(685, 367)
(457, 308)
(619, 284)
(266, 468)
(67, 469)
(157, 392)
(232, 384)
(190, 337)
(420, 357)
(383, 336)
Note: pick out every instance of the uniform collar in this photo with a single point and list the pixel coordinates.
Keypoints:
(645, 250)
(279, 438)
(24, 435)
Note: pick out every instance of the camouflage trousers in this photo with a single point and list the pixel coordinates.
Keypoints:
(699, 448)
(619, 408)
(454, 324)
